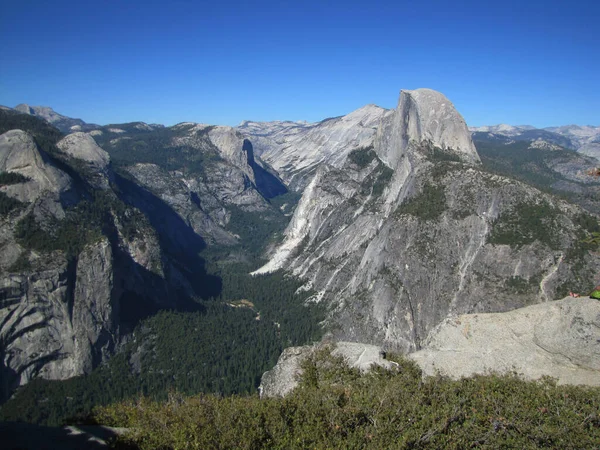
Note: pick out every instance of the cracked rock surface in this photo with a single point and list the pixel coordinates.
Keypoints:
(560, 339)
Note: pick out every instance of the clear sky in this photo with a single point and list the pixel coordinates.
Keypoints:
(518, 62)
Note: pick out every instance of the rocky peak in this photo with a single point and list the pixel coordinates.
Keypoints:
(83, 146)
(45, 112)
(63, 123)
(20, 154)
(367, 116)
(233, 148)
(425, 115)
(23, 108)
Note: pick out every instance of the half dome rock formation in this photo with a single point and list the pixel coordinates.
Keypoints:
(401, 236)
(560, 339)
(424, 115)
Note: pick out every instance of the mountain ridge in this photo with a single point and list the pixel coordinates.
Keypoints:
(437, 235)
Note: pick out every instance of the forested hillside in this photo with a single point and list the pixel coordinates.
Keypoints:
(561, 172)
(222, 347)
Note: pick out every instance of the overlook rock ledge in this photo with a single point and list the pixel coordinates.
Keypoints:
(560, 339)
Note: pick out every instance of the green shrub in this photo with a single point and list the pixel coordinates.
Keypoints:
(8, 204)
(384, 175)
(439, 154)
(526, 223)
(335, 406)
(362, 157)
(428, 205)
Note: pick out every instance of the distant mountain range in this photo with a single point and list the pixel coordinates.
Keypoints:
(584, 139)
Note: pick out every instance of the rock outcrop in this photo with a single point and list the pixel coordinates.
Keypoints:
(401, 237)
(83, 147)
(20, 154)
(199, 207)
(559, 339)
(283, 378)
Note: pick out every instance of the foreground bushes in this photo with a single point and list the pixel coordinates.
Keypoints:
(337, 407)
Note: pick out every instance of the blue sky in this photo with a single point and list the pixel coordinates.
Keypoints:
(518, 62)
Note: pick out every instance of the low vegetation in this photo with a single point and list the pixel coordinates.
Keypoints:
(83, 224)
(8, 204)
(338, 407)
(538, 167)
(438, 154)
(526, 223)
(384, 175)
(256, 229)
(362, 157)
(428, 205)
(8, 178)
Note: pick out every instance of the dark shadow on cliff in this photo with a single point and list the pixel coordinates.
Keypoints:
(185, 275)
(267, 183)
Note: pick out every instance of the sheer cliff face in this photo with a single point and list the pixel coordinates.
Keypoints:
(61, 316)
(424, 115)
(397, 239)
(59, 321)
